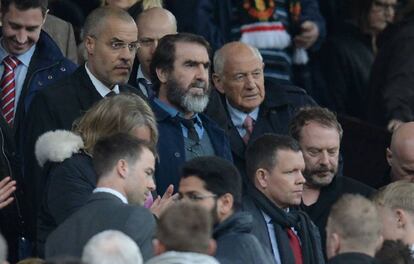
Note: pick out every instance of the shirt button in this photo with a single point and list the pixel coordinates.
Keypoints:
(39, 83)
(177, 154)
(50, 77)
(63, 69)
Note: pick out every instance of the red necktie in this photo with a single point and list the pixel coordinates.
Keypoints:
(295, 245)
(248, 126)
(8, 91)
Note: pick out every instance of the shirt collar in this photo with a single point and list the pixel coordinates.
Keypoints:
(23, 58)
(99, 86)
(140, 75)
(174, 112)
(238, 116)
(111, 191)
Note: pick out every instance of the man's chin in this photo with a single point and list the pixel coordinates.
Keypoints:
(319, 181)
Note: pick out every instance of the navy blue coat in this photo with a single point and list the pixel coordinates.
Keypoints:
(171, 147)
(46, 66)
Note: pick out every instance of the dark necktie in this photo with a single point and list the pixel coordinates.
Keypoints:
(8, 91)
(192, 132)
(295, 245)
(110, 94)
(148, 87)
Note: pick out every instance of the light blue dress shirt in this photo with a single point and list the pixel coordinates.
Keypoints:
(174, 112)
(20, 72)
(238, 117)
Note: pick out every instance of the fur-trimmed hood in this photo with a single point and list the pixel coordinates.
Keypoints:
(56, 146)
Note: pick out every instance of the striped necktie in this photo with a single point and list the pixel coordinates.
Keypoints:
(8, 91)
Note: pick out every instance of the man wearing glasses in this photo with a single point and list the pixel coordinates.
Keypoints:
(215, 184)
(111, 43)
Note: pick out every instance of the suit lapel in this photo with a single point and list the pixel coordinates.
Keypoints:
(86, 91)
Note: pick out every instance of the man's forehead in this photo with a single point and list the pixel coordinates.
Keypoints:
(28, 17)
(191, 51)
(122, 30)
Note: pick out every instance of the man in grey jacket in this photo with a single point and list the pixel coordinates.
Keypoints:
(124, 166)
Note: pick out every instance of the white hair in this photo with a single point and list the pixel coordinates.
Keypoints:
(219, 58)
(111, 247)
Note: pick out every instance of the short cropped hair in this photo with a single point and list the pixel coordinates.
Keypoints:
(164, 55)
(111, 247)
(185, 227)
(24, 5)
(108, 151)
(356, 220)
(262, 152)
(320, 115)
(396, 195)
(116, 114)
(96, 21)
(219, 176)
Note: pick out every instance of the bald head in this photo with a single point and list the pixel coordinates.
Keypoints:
(400, 154)
(230, 52)
(153, 24)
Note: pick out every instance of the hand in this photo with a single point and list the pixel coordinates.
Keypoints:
(394, 124)
(7, 187)
(308, 35)
(160, 204)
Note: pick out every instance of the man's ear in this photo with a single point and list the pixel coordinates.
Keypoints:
(89, 43)
(212, 247)
(162, 75)
(260, 178)
(389, 156)
(218, 84)
(402, 218)
(225, 206)
(122, 168)
(336, 240)
(159, 248)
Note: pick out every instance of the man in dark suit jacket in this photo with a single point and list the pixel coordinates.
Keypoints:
(274, 165)
(152, 24)
(180, 73)
(319, 134)
(111, 42)
(124, 167)
(239, 77)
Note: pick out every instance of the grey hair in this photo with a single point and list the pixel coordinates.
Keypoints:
(111, 247)
(95, 22)
(220, 57)
(3, 249)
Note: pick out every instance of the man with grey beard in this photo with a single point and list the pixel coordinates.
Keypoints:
(319, 135)
(180, 76)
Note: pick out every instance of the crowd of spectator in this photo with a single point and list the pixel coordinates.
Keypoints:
(201, 131)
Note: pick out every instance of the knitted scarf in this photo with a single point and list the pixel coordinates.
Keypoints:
(300, 221)
(263, 29)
